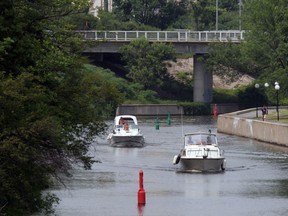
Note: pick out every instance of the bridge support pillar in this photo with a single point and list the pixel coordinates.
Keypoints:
(202, 80)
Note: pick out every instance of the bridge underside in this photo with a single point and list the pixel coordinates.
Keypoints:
(202, 78)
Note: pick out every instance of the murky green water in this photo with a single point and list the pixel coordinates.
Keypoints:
(255, 181)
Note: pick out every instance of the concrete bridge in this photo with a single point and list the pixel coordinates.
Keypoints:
(192, 42)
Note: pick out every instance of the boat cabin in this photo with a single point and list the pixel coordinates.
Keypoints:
(127, 122)
(200, 139)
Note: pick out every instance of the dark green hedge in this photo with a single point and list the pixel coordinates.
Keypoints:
(195, 108)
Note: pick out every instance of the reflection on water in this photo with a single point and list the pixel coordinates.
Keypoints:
(212, 186)
(267, 188)
(254, 183)
(90, 179)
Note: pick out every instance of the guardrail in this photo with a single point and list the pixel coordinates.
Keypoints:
(167, 36)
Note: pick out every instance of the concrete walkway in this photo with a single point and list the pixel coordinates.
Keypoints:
(271, 117)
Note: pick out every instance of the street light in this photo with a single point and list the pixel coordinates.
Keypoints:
(277, 87)
(257, 86)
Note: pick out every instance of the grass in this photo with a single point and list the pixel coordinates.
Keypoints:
(283, 116)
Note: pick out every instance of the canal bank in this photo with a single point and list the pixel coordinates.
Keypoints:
(230, 120)
(238, 123)
(164, 109)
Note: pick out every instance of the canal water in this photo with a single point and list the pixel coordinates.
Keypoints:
(255, 181)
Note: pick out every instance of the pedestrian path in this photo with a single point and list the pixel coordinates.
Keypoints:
(271, 117)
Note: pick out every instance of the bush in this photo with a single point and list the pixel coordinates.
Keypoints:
(251, 97)
(225, 96)
(195, 108)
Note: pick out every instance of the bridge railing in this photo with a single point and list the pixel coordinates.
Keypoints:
(166, 36)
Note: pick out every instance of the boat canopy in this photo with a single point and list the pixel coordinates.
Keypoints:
(128, 118)
(200, 139)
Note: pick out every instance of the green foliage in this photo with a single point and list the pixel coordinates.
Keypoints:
(155, 15)
(160, 14)
(204, 12)
(184, 77)
(226, 60)
(41, 125)
(195, 108)
(251, 97)
(125, 91)
(85, 22)
(266, 42)
(143, 97)
(51, 107)
(147, 64)
(109, 90)
(263, 55)
(225, 96)
(183, 22)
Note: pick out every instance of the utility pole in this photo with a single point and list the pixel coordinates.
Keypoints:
(216, 15)
(240, 15)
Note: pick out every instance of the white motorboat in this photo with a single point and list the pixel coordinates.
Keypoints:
(201, 153)
(126, 132)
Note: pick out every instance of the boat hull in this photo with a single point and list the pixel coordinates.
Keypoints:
(202, 164)
(127, 141)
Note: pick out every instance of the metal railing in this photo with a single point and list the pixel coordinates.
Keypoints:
(166, 36)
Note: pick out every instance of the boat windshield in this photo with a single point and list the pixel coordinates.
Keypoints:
(200, 139)
(131, 125)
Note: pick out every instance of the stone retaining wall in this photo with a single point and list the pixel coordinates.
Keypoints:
(265, 131)
(149, 109)
(164, 109)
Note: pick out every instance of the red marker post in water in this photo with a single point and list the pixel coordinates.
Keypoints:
(215, 110)
(141, 191)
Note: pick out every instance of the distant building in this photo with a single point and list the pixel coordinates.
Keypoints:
(100, 4)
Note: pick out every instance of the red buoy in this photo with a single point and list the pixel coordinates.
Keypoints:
(215, 110)
(141, 191)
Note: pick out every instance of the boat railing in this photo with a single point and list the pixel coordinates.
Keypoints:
(222, 152)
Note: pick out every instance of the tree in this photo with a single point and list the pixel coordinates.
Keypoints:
(267, 36)
(147, 63)
(204, 12)
(160, 14)
(226, 60)
(51, 107)
(266, 42)
(263, 53)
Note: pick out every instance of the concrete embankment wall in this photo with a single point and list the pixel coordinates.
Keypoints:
(164, 109)
(149, 109)
(265, 131)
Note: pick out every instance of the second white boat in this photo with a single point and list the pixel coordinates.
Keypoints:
(201, 153)
(126, 132)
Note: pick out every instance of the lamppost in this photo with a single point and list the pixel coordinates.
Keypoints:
(257, 86)
(277, 87)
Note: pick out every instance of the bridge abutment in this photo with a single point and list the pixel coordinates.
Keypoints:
(202, 79)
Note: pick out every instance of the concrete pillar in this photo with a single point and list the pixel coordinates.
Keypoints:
(202, 80)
